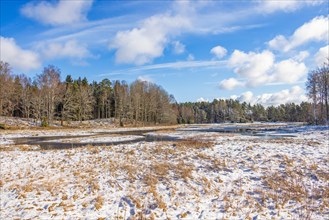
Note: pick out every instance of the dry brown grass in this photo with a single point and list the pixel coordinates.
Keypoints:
(6, 148)
(194, 144)
(52, 207)
(150, 180)
(92, 149)
(95, 186)
(28, 187)
(136, 201)
(161, 169)
(291, 186)
(131, 171)
(183, 215)
(184, 170)
(23, 147)
(99, 202)
(64, 197)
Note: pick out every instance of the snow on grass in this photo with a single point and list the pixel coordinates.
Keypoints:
(231, 176)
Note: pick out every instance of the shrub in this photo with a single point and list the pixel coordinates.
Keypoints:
(2, 126)
(44, 122)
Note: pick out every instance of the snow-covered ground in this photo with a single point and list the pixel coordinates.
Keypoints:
(205, 176)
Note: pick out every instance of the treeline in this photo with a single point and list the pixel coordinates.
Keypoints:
(46, 98)
(230, 110)
(316, 112)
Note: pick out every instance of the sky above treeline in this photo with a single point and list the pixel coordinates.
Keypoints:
(255, 51)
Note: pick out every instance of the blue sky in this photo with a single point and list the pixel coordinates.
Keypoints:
(254, 51)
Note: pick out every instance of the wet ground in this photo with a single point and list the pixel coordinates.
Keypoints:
(58, 142)
(54, 142)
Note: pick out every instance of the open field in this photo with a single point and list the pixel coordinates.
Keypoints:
(204, 172)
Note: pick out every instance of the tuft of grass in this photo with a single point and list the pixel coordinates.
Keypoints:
(99, 202)
(150, 180)
(184, 170)
(24, 147)
(28, 187)
(183, 215)
(52, 207)
(92, 149)
(64, 197)
(161, 169)
(194, 144)
(131, 170)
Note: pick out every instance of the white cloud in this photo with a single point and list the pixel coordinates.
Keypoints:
(315, 30)
(178, 47)
(141, 45)
(251, 65)
(60, 13)
(145, 79)
(17, 57)
(269, 6)
(260, 68)
(288, 71)
(69, 49)
(322, 55)
(294, 95)
(245, 97)
(173, 65)
(301, 56)
(202, 100)
(230, 83)
(218, 51)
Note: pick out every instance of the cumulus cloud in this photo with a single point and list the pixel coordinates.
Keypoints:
(293, 95)
(218, 51)
(269, 6)
(145, 79)
(288, 71)
(251, 65)
(16, 56)
(69, 49)
(245, 97)
(141, 45)
(322, 55)
(178, 47)
(60, 13)
(230, 83)
(260, 68)
(315, 30)
(202, 100)
(301, 56)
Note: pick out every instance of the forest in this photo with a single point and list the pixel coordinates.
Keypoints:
(46, 98)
